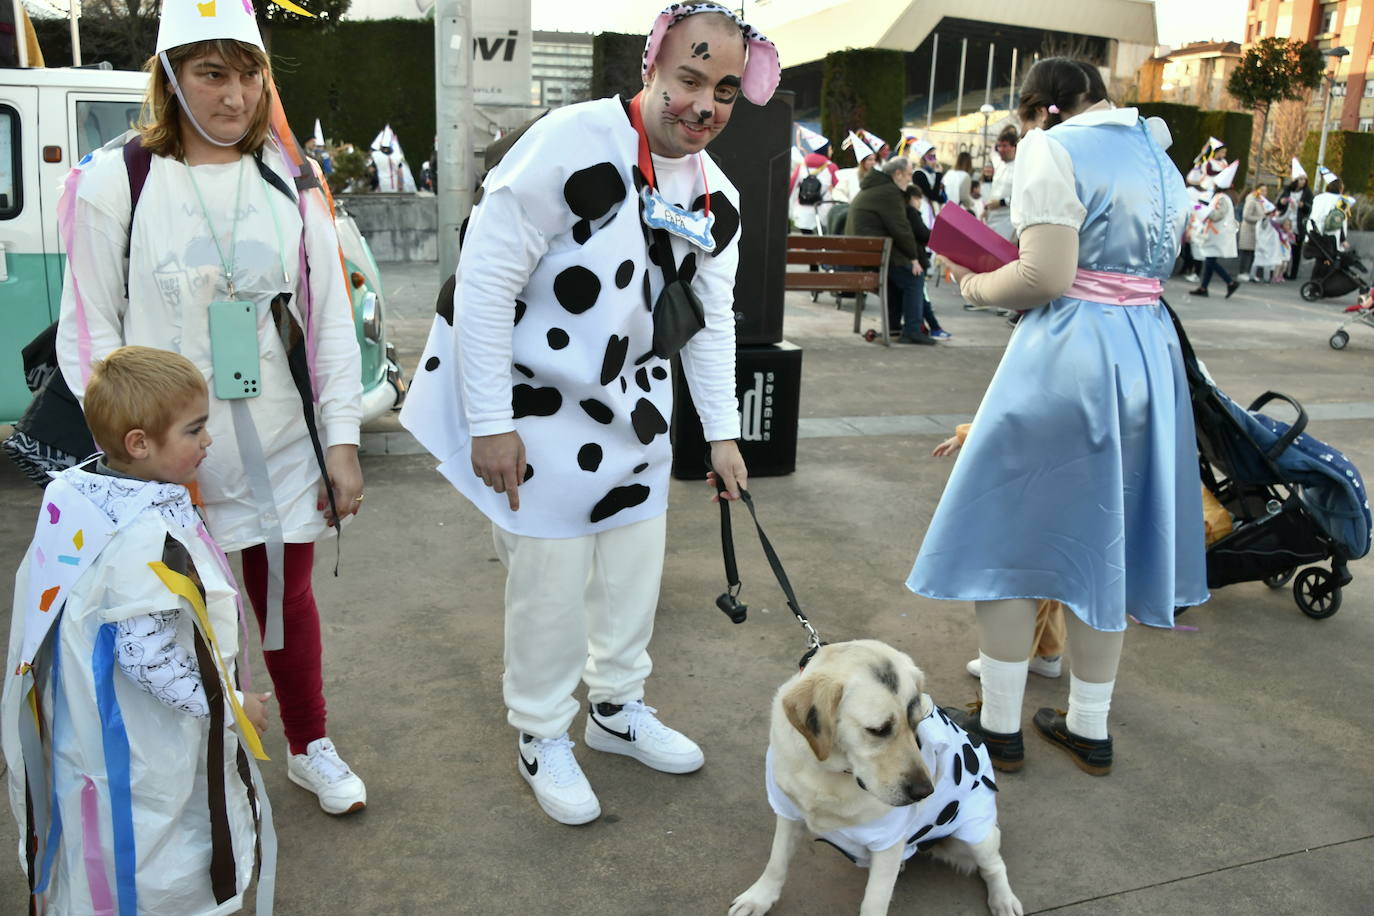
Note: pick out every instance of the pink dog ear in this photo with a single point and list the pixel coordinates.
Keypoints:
(655, 40)
(762, 72)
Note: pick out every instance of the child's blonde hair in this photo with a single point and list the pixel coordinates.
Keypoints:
(138, 388)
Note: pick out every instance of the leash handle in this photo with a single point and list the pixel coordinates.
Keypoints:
(774, 562)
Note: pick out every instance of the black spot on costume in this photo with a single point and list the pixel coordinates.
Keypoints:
(576, 289)
(589, 457)
(614, 359)
(619, 499)
(529, 401)
(647, 421)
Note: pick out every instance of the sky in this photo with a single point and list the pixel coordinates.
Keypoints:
(1180, 21)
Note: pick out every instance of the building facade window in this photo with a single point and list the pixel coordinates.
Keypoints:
(1366, 124)
(1369, 87)
(1328, 20)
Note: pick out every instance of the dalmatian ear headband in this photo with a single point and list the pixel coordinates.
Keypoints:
(761, 69)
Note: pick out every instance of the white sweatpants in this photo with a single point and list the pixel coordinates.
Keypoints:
(578, 608)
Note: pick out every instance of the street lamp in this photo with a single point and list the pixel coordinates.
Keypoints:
(1337, 53)
(986, 111)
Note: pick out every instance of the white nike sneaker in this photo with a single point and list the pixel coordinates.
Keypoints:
(561, 789)
(1039, 664)
(321, 770)
(634, 730)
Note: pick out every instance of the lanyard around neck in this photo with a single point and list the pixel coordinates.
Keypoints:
(646, 160)
(229, 264)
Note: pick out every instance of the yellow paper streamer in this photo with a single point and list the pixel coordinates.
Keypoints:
(293, 8)
(183, 587)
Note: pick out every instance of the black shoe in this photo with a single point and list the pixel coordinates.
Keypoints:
(1232, 287)
(1008, 752)
(1200, 291)
(1092, 755)
(924, 339)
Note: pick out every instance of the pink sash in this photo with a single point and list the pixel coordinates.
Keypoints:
(1111, 288)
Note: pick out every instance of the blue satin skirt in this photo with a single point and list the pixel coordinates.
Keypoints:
(1079, 478)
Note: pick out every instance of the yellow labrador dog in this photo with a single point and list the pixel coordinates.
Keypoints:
(859, 755)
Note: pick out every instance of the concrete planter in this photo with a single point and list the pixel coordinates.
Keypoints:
(398, 227)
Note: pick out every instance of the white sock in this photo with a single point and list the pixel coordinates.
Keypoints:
(1004, 685)
(1088, 705)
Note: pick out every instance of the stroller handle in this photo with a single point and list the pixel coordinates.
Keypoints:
(1294, 431)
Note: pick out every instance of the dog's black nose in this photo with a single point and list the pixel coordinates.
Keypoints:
(918, 788)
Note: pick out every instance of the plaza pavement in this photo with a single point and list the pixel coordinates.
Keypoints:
(1242, 781)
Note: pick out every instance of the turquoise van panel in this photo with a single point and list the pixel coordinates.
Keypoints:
(28, 303)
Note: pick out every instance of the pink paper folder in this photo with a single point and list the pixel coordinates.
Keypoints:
(960, 237)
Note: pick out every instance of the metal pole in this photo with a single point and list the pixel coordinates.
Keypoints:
(1326, 121)
(930, 96)
(987, 87)
(76, 34)
(959, 99)
(1011, 96)
(21, 34)
(454, 110)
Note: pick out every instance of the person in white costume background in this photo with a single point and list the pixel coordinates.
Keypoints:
(545, 394)
(128, 746)
(198, 211)
(393, 172)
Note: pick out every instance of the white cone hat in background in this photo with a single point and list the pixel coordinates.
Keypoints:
(1325, 176)
(874, 141)
(809, 140)
(861, 149)
(1227, 176)
(319, 133)
(1297, 171)
(387, 137)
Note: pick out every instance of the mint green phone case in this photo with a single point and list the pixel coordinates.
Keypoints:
(234, 349)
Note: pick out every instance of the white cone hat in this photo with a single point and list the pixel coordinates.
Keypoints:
(809, 139)
(1227, 176)
(1326, 176)
(184, 22)
(1297, 171)
(860, 148)
(874, 141)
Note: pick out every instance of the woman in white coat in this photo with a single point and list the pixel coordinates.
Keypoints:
(195, 215)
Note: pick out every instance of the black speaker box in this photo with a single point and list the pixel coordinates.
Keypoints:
(755, 152)
(768, 394)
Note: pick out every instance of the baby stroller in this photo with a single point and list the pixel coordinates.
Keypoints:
(1361, 312)
(1334, 272)
(1295, 500)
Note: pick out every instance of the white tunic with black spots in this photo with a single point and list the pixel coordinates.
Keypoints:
(551, 331)
(963, 805)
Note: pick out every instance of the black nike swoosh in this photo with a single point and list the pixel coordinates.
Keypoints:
(530, 767)
(624, 736)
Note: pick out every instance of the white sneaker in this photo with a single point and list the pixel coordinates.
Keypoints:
(1039, 664)
(634, 731)
(552, 771)
(321, 771)
(1192, 278)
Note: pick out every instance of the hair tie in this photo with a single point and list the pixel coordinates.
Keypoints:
(1053, 109)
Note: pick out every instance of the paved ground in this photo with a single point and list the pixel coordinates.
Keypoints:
(1240, 785)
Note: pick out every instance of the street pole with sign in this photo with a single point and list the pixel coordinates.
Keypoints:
(454, 115)
(1335, 54)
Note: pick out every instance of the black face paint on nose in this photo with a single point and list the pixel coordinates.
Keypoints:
(704, 116)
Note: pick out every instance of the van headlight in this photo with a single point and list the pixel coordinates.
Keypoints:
(372, 317)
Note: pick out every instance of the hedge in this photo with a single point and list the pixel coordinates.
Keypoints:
(1192, 127)
(617, 62)
(359, 77)
(1349, 153)
(864, 88)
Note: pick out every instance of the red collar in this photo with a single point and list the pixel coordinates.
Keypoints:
(646, 161)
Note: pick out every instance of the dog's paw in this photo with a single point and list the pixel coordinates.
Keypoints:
(756, 901)
(1004, 904)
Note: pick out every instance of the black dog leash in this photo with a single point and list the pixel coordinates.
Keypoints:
(729, 601)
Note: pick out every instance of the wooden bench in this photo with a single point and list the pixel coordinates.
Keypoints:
(869, 254)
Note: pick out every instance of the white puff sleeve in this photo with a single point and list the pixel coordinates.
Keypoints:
(1044, 190)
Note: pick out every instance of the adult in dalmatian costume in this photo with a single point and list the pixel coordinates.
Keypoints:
(542, 396)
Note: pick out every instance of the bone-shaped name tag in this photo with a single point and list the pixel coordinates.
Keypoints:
(693, 226)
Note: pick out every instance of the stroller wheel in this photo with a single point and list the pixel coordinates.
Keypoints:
(1316, 592)
(1339, 340)
(1311, 291)
(1279, 579)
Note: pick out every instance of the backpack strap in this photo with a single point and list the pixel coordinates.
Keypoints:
(138, 160)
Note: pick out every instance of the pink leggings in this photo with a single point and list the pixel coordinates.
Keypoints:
(295, 669)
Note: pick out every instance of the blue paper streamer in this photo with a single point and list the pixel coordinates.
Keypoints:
(116, 745)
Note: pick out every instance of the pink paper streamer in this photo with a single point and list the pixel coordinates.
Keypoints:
(66, 224)
(238, 600)
(102, 904)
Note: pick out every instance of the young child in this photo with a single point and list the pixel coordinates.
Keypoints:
(128, 747)
(1050, 630)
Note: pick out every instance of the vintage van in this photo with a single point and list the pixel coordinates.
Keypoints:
(50, 119)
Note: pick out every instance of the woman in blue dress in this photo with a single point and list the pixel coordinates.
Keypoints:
(1079, 480)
